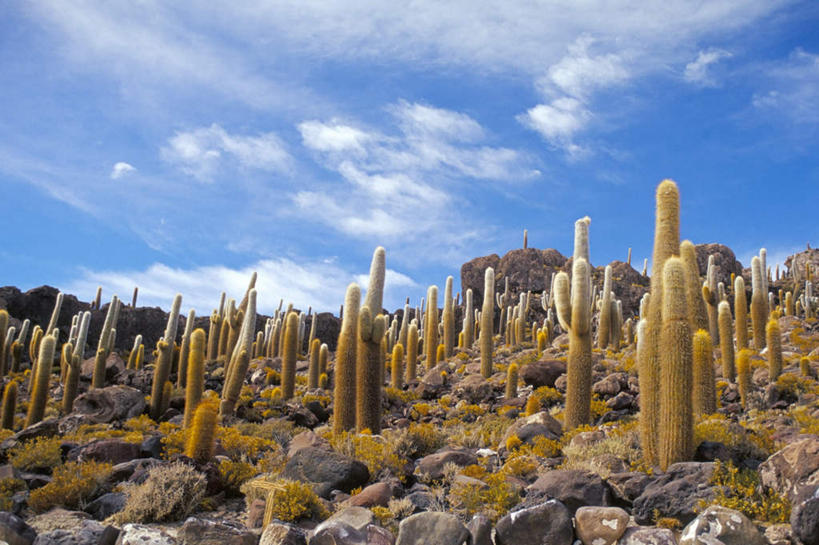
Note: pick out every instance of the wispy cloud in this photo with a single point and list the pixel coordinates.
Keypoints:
(794, 89)
(697, 71)
(121, 169)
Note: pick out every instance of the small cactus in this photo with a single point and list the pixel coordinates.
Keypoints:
(532, 405)
(233, 387)
(132, 357)
(412, 352)
(9, 406)
(726, 340)
(195, 382)
(774, 343)
(704, 388)
(324, 354)
(741, 311)
(541, 341)
(744, 375)
(512, 381)
(201, 441)
(39, 392)
(291, 337)
(604, 325)
(804, 367)
(397, 366)
(161, 373)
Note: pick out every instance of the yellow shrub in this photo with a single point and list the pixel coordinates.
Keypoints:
(513, 442)
(234, 474)
(71, 486)
(740, 490)
(7, 489)
(285, 500)
(425, 438)
(38, 453)
(493, 500)
(420, 410)
(749, 443)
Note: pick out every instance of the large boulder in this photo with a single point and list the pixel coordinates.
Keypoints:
(528, 428)
(719, 525)
(675, 493)
(793, 468)
(432, 466)
(14, 530)
(198, 531)
(327, 470)
(542, 373)
(805, 516)
(109, 404)
(725, 262)
(600, 525)
(547, 523)
(432, 527)
(796, 264)
(573, 487)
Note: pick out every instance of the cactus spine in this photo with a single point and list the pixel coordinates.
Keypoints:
(676, 363)
(726, 340)
(313, 370)
(203, 432)
(759, 303)
(512, 381)
(774, 342)
(291, 339)
(666, 244)
(39, 394)
(744, 375)
(431, 327)
(397, 366)
(195, 381)
(704, 388)
(344, 393)
(9, 406)
(448, 319)
(487, 329)
(372, 325)
(604, 326)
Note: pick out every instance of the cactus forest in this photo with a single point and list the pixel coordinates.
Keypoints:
(610, 406)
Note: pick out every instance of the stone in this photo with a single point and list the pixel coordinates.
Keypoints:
(432, 527)
(805, 516)
(637, 535)
(542, 373)
(196, 531)
(109, 404)
(600, 525)
(113, 367)
(609, 386)
(548, 523)
(718, 525)
(113, 451)
(337, 532)
(375, 494)
(474, 389)
(573, 487)
(355, 517)
(628, 485)
(306, 439)
(58, 519)
(282, 533)
(88, 531)
(106, 505)
(794, 467)
(328, 470)
(432, 466)
(675, 493)
(623, 400)
(540, 424)
(14, 530)
(587, 438)
(480, 527)
(140, 534)
(779, 534)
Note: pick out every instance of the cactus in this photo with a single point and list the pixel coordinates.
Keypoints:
(95, 304)
(324, 354)
(604, 325)
(344, 393)
(676, 366)
(448, 318)
(726, 340)
(161, 372)
(697, 313)
(431, 328)
(369, 370)
(101, 355)
(774, 343)
(34, 345)
(532, 405)
(9, 406)
(741, 311)
(744, 375)
(72, 377)
(412, 352)
(666, 244)
(487, 329)
(313, 371)
(182, 369)
(324, 381)
(704, 389)
(55, 314)
(397, 366)
(132, 357)
(291, 339)
(201, 441)
(469, 321)
(512, 381)
(39, 392)
(233, 387)
(541, 341)
(195, 381)
(710, 295)
(213, 335)
(759, 304)
(4, 324)
(789, 311)
(804, 367)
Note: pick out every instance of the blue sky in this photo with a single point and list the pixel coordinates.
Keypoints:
(180, 147)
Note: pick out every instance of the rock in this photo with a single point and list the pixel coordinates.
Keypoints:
(796, 264)
(793, 468)
(548, 523)
(474, 389)
(105, 405)
(609, 386)
(430, 385)
(623, 400)
(432, 466)
(282, 533)
(375, 494)
(355, 517)
(805, 516)
(113, 451)
(303, 418)
(573, 487)
(113, 367)
(255, 513)
(88, 531)
(306, 439)
(139, 534)
(542, 373)
(14, 530)
(339, 533)
(528, 428)
(627, 486)
(719, 525)
(725, 262)
(600, 525)
(197, 531)
(636, 535)
(472, 275)
(779, 534)
(709, 451)
(328, 470)
(151, 447)
(480, 527)
(45, 428)
(675, 493)
(106, 505)
(432, 527)
(587, 438)
(126, 470)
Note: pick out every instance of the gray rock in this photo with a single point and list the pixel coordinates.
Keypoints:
(281, 533)
(792, 468)
(719, 525)
(432, 466)
(106, 505)
(340, 533)
(432, 527)
(328, 470)
(627, 486)
(528, 428)
(481, 529)
(139, 534)
(89, 531)
(105, 405)
(542, 373)
(548, 523)
(113, 451)
(14, 530)
(600, 525)
(675, 493)
(356, 517)
(779, 534)
(574, 487)
(805, 516)
(637, 535)
(197, 531)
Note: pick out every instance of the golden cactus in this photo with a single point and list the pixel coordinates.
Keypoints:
(397, 366)
(774, 342)
(9, 406)
(744, 375)
(201, 440)
(431, 328)
(313, 370)
(291, 338)
(726, 340)
(344, 394)
(195, 382)
(704, 391)
(741, 311)
(487, 315)
(512, 381)
(412, 352)
(161, 373)
(40, 379)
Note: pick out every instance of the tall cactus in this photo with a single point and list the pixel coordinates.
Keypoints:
(448, 319)
(161, 372)
(676, 364)
(697, 313)
(372, 325)
(774, 343)
(195, 381)
(487, 329)
(469, 320)
(9, 406)
(39, 393)
(233, 387)
(397, 366)
(744, 375)
(291, 339)
(741, 311)
(4, 324)
(604, 326)
(710, 295)
(666, 244)
(704, 395)
(213, 335)
(344, 393)
(412, 352)
(726, 340)
(72, 377)
(132, 357)
(182, 372)
(313, 369)
(202, 438)
(431, 328)
(759, 304)
(55, 314)
(98, 379)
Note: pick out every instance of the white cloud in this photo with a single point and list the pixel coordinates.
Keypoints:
(795, 92)
(559, 122)
(201, 151)
(317, 283)
(121, 169)
(696, 71)
(333, 137)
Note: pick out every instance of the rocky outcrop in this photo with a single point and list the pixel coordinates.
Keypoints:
(724, 260)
